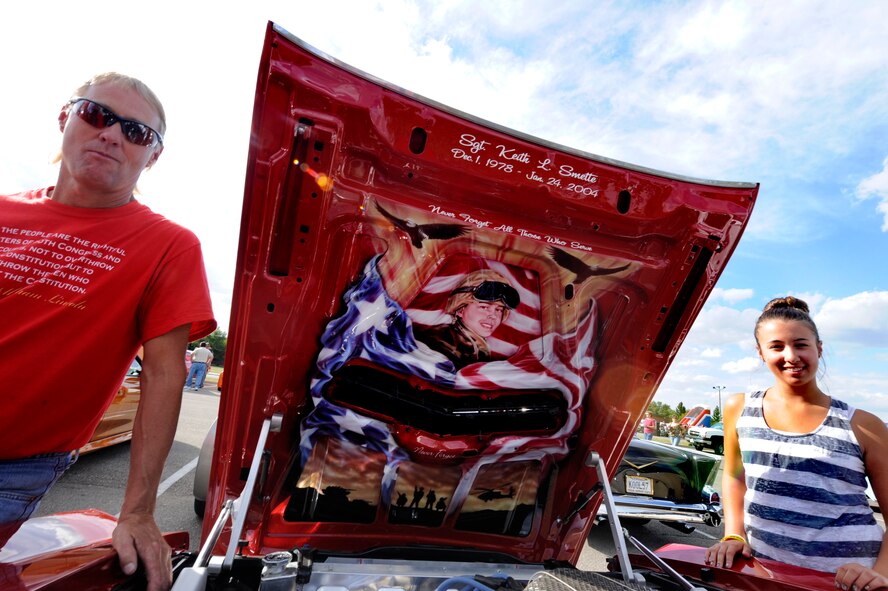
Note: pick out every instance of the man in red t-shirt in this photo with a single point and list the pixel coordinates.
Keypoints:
(85, 264)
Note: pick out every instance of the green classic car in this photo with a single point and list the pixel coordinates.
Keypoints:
(670, 484)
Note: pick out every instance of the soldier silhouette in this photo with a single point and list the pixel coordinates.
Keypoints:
(430, 499)
(418, 494)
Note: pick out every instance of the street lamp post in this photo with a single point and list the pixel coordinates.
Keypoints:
(719, 388)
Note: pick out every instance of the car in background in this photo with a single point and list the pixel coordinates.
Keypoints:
(116, 425)
(669, 484)
(712, 437)
(202, 471)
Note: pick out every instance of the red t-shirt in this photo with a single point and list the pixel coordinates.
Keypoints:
(650, 425)
(81, 289)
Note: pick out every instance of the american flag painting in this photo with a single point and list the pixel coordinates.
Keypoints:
(376, 328)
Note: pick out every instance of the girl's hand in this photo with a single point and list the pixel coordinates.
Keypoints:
(856, 577)
(722, 554)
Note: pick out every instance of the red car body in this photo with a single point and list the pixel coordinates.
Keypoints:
(364, 207)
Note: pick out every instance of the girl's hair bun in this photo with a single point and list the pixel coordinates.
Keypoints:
(787, 302)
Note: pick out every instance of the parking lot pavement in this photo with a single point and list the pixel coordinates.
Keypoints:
(600, 543)
(210, 383)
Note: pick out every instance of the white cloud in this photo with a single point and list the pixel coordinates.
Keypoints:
(860, 320)
(745, 365)
(720, 326)
(876, 187)
(732, 295)
(711, 352)
(689, 361)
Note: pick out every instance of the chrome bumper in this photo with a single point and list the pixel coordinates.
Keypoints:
(632, 507)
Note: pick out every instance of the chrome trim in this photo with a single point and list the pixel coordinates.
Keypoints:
(631, 507)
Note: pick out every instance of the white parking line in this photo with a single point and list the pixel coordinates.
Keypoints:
(173, 478)
(706, 535)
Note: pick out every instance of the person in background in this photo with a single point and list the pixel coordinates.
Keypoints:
(209, 362)
(796, 462)
(675, 430)
(201, 358)
(102, 273)
(648, 425)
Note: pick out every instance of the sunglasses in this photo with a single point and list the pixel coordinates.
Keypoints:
(101, 117)
(493, 291)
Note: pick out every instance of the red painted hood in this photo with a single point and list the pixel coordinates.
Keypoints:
(375, 223)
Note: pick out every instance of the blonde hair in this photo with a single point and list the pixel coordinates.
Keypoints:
(130, 82)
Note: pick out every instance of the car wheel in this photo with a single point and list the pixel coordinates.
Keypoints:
(719, 448)
(698, 447)
(200, 506)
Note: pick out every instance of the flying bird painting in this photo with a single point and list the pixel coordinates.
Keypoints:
(420, 232)
(579, 268)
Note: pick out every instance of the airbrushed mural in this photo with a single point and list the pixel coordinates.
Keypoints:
(449, 385)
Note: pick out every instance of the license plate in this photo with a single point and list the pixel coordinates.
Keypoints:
(639, 485)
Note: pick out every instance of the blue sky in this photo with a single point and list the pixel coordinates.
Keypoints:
(793, 95)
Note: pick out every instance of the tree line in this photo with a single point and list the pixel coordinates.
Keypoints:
(664, 412)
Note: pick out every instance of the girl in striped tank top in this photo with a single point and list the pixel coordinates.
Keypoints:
(795, 464)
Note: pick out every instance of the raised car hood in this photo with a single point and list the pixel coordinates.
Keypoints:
(365, 209)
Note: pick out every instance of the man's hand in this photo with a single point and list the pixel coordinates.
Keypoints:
(137, 538)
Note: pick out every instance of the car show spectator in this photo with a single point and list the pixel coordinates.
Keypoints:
(201, 358)
(95, 266)
(675, 430)
(796, 464)
(648, 425)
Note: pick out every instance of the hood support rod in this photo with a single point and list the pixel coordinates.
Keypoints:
(242, 503)
(613, 519)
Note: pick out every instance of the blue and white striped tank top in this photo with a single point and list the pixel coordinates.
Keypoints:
(805, 501)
